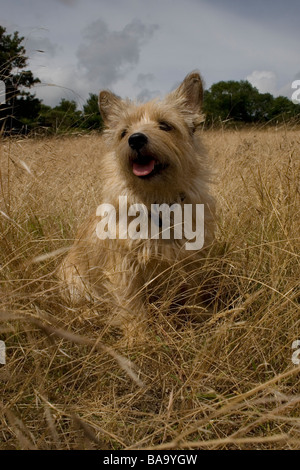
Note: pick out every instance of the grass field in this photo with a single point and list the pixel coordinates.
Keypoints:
(228, 382)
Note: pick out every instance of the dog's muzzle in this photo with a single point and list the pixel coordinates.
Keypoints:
(137, 141)
(144, 163)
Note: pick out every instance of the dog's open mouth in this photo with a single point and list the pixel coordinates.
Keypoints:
(145, 166)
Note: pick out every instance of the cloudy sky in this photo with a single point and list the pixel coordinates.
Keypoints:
(143, 48)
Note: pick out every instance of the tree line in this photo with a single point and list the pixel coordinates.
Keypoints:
(21, 111)
(240, 102)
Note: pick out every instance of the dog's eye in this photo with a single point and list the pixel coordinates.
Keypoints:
(165, 126)
(123, 133)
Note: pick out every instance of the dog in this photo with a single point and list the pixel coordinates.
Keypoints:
(151, 155)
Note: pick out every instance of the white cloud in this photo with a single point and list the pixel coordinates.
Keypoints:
(265, 81)
(287, 89)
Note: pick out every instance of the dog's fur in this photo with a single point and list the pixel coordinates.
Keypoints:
(127, 269)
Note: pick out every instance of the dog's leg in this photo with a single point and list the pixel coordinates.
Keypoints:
(129, 312)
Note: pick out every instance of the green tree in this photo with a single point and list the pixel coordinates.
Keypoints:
(231, 101)
(62, 117)
(241, 102)
(91, 114)
(283, 109)
(262, 106)
(21, 107)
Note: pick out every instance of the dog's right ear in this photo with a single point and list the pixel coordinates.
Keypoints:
(109, 105)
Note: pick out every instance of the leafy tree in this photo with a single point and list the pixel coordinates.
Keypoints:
(262, 106)
(231, 101)
(283, 109)
(63, 117)
(241, 102)
(91, 114)
(20, 104)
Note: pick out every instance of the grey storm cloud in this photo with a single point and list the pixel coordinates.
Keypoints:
(143, 79)
(106, 56)
(40, 44)
(141, 82)
(68, 2)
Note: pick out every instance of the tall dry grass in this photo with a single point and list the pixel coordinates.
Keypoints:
(227, 382)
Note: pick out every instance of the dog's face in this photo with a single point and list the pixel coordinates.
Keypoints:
(154, 143)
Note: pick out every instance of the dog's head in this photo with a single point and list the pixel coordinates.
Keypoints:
(155, 144)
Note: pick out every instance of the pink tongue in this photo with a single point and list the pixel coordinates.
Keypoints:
(143, 170)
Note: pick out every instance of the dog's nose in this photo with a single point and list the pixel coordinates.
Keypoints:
(137, 141)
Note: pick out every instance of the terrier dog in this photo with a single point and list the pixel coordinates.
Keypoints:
(152, 155)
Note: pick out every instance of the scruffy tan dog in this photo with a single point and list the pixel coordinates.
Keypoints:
(152, 155)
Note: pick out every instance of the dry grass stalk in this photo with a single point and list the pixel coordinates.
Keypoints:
(223, 382)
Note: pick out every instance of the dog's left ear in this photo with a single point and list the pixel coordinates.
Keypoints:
(109, 105)
(189, 93)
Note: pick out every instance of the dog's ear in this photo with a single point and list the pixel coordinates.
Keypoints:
(109, 105)
(189, 93)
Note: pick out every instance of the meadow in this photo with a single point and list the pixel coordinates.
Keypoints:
(225, 382)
